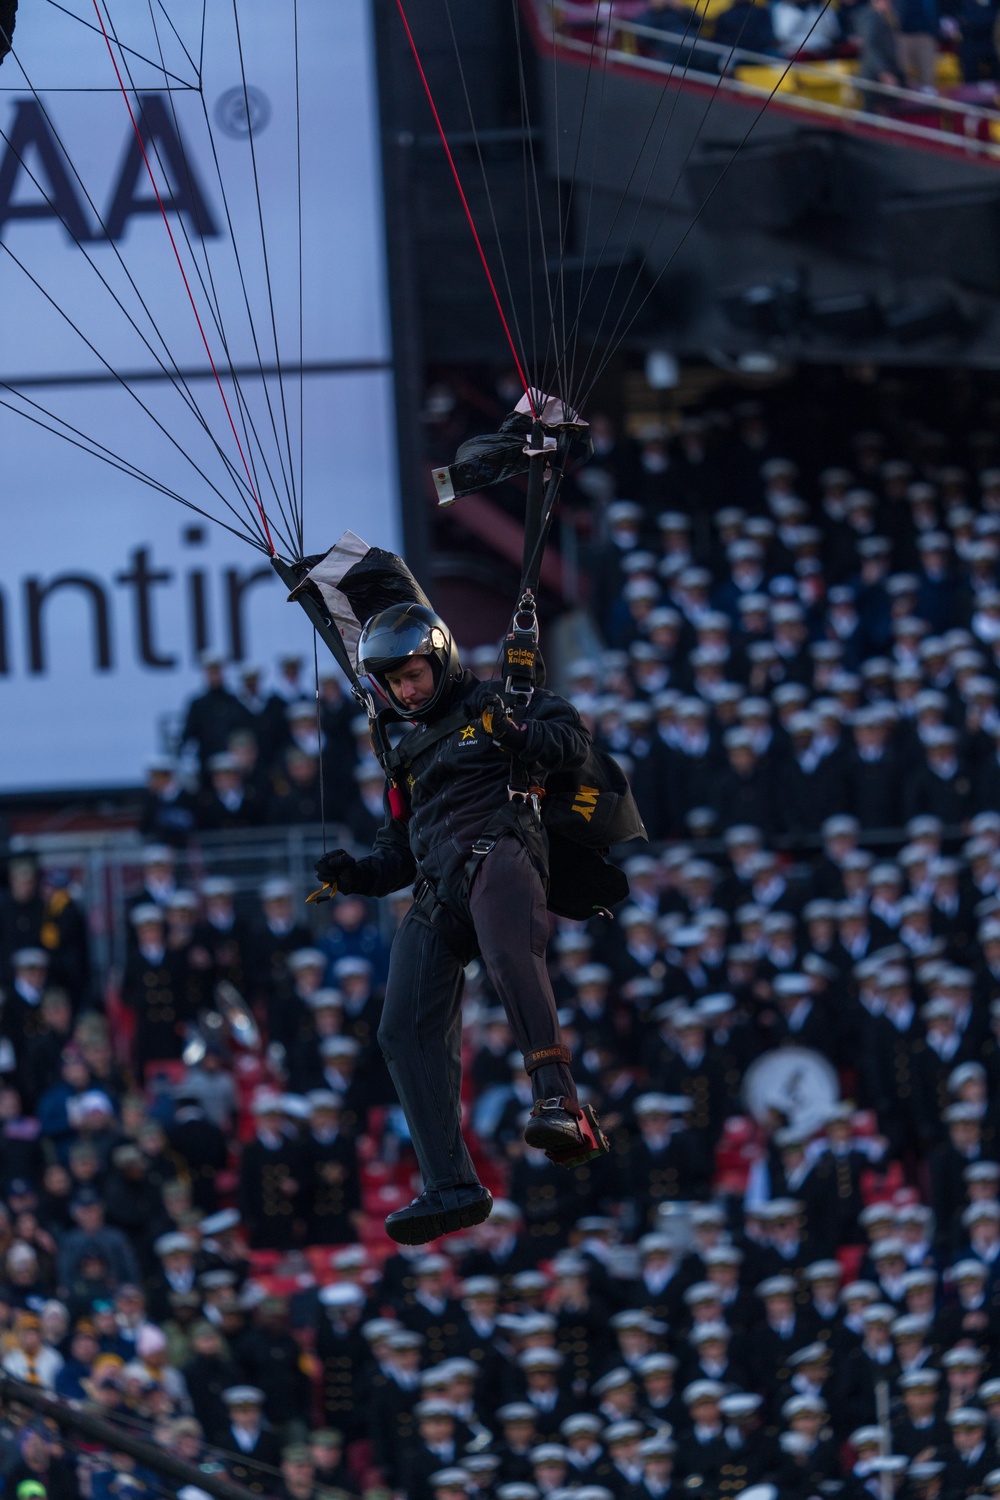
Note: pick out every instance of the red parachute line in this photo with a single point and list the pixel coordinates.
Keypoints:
(187, 285)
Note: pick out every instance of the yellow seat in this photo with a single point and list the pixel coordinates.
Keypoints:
(828, 82)
(766, 78)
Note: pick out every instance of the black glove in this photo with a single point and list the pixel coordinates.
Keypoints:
(352, 877)
(491, 709)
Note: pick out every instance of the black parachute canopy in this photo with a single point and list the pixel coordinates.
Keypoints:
(8, 11)
(353, 581)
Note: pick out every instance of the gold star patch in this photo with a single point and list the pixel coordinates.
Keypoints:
(469, 732)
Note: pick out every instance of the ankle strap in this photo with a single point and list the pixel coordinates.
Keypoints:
(542, 1055)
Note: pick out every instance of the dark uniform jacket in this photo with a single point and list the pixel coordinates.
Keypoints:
(458, 784)
(267, 1211)
(332, 1191)
(206, 1377)
(250, 1468)
(156, 993)
(344, 1355)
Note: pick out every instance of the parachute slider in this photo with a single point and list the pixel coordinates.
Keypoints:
(496, 456)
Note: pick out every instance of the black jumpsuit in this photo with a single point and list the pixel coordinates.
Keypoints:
(456, 788)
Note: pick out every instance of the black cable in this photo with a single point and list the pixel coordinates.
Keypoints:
(115, 461)
(176, 378)
(267, 267)
(541, 377)
(685, 50)
(302, 377)
(682, 45)
(708, 197)
(239, 262)
(118, 378)
(560, 287)
(201, 46)
(215, 309)
(319, 737)
(713, 95)
(180, 40)
(571, 356)
(82, 21)
(512, 301)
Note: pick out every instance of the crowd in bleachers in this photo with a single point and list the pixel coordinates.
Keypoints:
(897, 42)
(785, 1277)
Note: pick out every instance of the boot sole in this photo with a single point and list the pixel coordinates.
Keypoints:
(421, 1228)
(546, 1137)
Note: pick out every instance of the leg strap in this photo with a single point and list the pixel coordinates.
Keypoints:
(542, 1055)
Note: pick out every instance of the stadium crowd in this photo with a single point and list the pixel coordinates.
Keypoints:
(897, 42)
(793, 1300)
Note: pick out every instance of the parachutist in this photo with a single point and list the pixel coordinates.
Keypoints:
(475, 846)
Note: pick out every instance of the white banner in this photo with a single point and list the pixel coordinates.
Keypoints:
(109, 589)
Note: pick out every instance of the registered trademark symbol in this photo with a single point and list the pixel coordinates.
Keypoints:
(239, 111)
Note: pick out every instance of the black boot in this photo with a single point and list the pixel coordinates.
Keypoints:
(568, 1133)
(439, 1211)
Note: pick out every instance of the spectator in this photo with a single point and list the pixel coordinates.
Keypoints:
(917, 48)
(92, 1238)
(212, 716)
(885, 51)
(803, 26)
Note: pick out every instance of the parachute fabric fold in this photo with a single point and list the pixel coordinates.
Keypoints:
(353, 581)
(495, 456)
(8, 13)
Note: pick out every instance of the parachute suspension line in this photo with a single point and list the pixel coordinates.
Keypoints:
(713, 95)
(527, 148)
(174, 375)
(177, 36)
(550, 342)
(571, 352)
(183, 85)
(290, 480)
(250, 433)
(529, 393)
(209, 291)
(319, 741)
(586, 282)
(693, 20)
(246, 296)
(95, 449)
(623, 334)
(302, 378)
(187, 286)
(211, 297)
(486, 187)
(559, 373)
(123, 383)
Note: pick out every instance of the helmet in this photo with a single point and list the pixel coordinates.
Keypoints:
(405, 630)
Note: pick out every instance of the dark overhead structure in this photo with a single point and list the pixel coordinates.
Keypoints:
(726, 227)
